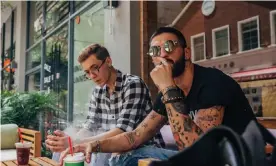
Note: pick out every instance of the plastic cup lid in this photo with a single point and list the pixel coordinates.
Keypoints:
(75, 157)
(25, 144)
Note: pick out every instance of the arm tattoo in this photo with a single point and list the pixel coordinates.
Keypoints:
(188, 124)
(153, 116)
(179, 142)
(179, 107)
(185, 131)
(145, 125)
(208, 118)
(131, 138)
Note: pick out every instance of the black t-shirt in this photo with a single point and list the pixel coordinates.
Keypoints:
(211, 87)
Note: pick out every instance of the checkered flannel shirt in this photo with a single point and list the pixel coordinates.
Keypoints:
(125, 109)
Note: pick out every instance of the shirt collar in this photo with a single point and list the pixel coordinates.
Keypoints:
(118, 83)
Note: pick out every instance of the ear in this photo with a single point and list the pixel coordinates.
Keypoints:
(187, 52)
(109, 61)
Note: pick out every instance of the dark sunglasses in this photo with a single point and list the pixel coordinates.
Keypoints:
(168, 46)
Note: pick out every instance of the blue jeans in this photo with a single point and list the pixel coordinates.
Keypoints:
(131, 158)
(97, 159)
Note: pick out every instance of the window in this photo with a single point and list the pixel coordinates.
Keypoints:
(92, 21)
(198, 47)
(273, 26)
(36, 21)
(56, 12)
(221, 41)
(249, 36)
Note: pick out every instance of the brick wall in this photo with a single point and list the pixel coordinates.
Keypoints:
(226, 13)
(154, 14)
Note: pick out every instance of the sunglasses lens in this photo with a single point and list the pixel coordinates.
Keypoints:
(169, 46)
(154, 51)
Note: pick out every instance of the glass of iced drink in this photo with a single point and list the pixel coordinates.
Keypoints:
(76, 160)
(23, 152)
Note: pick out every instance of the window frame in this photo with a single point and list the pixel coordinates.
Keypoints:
(240, 33)
(192, 46)
(214, 40)
(272, 28)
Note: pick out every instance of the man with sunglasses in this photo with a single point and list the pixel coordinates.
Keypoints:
(118, 104)
(192, 98)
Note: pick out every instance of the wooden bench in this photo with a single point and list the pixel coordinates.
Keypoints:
(34, 137)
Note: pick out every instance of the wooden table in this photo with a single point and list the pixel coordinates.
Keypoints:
(145, 162)
(35, 161)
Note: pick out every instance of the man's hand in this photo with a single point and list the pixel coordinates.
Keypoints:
(57, 142)
(162, 75)
(85, 148)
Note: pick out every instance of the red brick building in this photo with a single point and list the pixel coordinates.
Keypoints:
(238, 38)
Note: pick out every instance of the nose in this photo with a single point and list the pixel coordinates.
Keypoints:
(163, 53)
(92, 75)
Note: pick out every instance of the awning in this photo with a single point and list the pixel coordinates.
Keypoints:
(250, 75)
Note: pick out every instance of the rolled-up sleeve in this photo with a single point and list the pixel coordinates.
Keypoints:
(136, 101)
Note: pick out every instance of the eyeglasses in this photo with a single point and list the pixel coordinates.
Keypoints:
(169, 46)
(94, 69)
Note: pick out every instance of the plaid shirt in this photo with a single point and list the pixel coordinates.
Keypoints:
(125, 109)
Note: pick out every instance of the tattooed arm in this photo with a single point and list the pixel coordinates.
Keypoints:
(185, 130)
(128, 140)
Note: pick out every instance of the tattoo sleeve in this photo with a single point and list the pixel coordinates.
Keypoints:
(185, 130)
(146, 130)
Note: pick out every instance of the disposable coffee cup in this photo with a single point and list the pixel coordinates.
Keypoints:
(23, 152)
(76, 160)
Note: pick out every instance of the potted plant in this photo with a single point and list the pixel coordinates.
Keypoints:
(23, 109)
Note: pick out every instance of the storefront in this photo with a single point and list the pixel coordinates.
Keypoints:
(52, 50)
(259, 86)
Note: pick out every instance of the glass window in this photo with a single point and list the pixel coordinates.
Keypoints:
(274, 18)
(79, 4)
(250, 37)
(56, 66)
(221, 42)
(89, 29)
(33, 82)
(8, 34)
(198, 48)
(36, 21)
(33, 58)
(56, 12)
(8, 78)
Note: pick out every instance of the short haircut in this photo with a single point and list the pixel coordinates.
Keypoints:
(99, 51)
(177, 33)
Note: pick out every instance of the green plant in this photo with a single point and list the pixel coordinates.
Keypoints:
(23, 108)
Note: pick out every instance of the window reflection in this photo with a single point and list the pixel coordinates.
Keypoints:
(91, 21)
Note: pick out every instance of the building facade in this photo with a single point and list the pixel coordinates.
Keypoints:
(238, 38)
(41, 40)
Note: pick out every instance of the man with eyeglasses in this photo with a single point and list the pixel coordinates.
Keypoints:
(192, 98)
(118, 104)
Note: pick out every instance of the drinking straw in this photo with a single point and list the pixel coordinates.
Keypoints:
(20, 135)
(70, 145)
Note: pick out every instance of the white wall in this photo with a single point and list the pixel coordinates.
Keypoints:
(19, 37)
(123, 42)
(20, 45)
